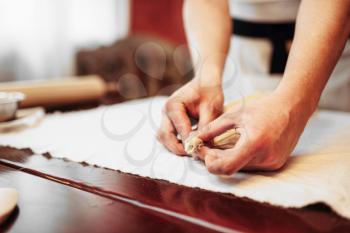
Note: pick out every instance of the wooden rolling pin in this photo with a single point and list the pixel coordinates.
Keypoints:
(62, 91)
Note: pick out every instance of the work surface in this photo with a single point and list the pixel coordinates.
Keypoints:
(63, 196)
(197, 208)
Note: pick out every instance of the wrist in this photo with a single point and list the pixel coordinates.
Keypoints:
(209, 76)
(297, 101)
(210, 69)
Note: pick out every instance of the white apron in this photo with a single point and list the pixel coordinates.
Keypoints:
(251, 56)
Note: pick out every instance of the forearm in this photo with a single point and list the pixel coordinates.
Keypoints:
(321, 32)
(208, 26)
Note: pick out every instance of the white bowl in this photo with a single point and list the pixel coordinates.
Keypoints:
(9, 104)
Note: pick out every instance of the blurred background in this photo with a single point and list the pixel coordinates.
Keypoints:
(129, 42)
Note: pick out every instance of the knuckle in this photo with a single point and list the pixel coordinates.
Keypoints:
(214, 107)
(273, 162)
(275, 165)
(160, 135)
(226, 171)
(230, 168)
(221, 170)
(212, 170)
(168, 106)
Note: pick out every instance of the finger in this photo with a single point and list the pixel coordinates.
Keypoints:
(202, 151)
(207, 113)
(227, 162)
(178, 116)
(262, 164)
(216, 127)
(166, 135)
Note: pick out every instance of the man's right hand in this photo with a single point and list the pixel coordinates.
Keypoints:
(197, 100)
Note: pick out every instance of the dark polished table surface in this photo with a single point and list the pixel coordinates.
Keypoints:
(56, 195)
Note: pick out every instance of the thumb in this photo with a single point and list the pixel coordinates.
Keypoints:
(216, 127)
(208, 113)
(226, 162)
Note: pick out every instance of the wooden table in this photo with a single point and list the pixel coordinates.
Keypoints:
(63, 196)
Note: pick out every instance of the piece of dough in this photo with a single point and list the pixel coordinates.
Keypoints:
(225, 140)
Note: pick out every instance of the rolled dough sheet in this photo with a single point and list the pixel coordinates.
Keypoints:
(122, 137)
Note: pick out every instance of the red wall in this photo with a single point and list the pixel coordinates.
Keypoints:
(158, 17)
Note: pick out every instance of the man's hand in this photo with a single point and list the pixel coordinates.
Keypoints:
(197, 100)
(270, 128)
(202, 98)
